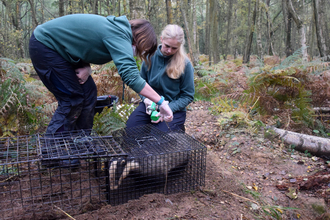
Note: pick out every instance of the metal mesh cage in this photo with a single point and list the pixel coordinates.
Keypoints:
(79, 171)
(157, 162)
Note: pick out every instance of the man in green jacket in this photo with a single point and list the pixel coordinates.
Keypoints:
(62, 50)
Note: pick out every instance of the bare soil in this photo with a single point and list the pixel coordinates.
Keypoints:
(247, 177)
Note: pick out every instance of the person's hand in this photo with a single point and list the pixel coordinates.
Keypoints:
(160, 119)
(166, 112)
(83, 74)
(147, 102)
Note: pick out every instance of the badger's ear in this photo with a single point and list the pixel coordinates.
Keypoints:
(123, 162)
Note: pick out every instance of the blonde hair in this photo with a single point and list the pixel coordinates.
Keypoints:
(178, 62)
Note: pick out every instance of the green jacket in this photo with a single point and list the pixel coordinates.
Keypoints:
(179, 92)
(93, 39)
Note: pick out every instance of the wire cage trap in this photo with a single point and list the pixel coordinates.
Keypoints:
(42, 175)
(157, 162)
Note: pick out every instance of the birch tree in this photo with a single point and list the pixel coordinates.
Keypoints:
(318, 17)
(259, 28)
(301, 29)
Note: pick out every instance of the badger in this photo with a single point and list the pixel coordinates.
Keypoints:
(158, 167)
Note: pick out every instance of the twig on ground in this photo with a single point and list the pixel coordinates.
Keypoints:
(2, 181)
(241, 197)
(64, 212)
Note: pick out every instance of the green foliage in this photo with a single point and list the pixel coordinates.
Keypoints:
(237, 118)
(293, 60)
(204, 90)
(206, 85)
(238, 62)
(223, 105)
(109, 66)
(274, 88)
(262, 209)
(112, 119)
(138, 62)
(18, 115)
(320, 209)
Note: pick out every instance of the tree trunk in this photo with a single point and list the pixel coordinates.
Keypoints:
(108, 7)
(119, 8)
(136, 8)
(214, 31)
(246, 57)
(287, 16)
(258, 27)
(113, 7)
(169, 12)
(315, 145)
(194, 28)
(269, 27)
(183, 13)
(19, 29)
(325, 24)
(95, 7)
(319, 32)
(125, 7)
(33, 15)
(61, 8)
(236, 37)
(207, 32)
(301, 29)
(230, 7)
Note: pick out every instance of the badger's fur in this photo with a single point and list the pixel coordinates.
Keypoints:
(159, 166)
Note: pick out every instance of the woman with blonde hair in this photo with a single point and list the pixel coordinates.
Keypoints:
(171, 75)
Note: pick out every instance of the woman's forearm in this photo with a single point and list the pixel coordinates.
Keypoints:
(148, 92)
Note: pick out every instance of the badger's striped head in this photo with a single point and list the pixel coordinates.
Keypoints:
(119, 169)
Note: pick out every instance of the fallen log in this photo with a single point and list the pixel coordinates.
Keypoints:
(317, 146)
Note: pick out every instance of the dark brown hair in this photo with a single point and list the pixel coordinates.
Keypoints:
(144, 38)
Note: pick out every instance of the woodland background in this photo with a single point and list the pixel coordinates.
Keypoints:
(260, 66)
(213, 27)
(265, 58)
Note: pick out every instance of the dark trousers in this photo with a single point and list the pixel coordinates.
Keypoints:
(140, 117)
(76, 102)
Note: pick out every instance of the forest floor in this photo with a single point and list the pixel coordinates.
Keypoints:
(247, 177)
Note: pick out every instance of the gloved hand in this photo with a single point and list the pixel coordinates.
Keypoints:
(147, 102)
(161, 119)
(83, 74)
(166, 112)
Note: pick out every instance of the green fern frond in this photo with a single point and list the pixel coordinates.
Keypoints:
(278, 89)
(17, 106)
(112, 119)
(107, 121)
(223, 105)
(205, 72)
(295, 58)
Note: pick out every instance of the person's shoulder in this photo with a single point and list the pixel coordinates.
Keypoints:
(122, 20)
(188, 62)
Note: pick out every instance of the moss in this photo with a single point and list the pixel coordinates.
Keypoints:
(318, 208)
